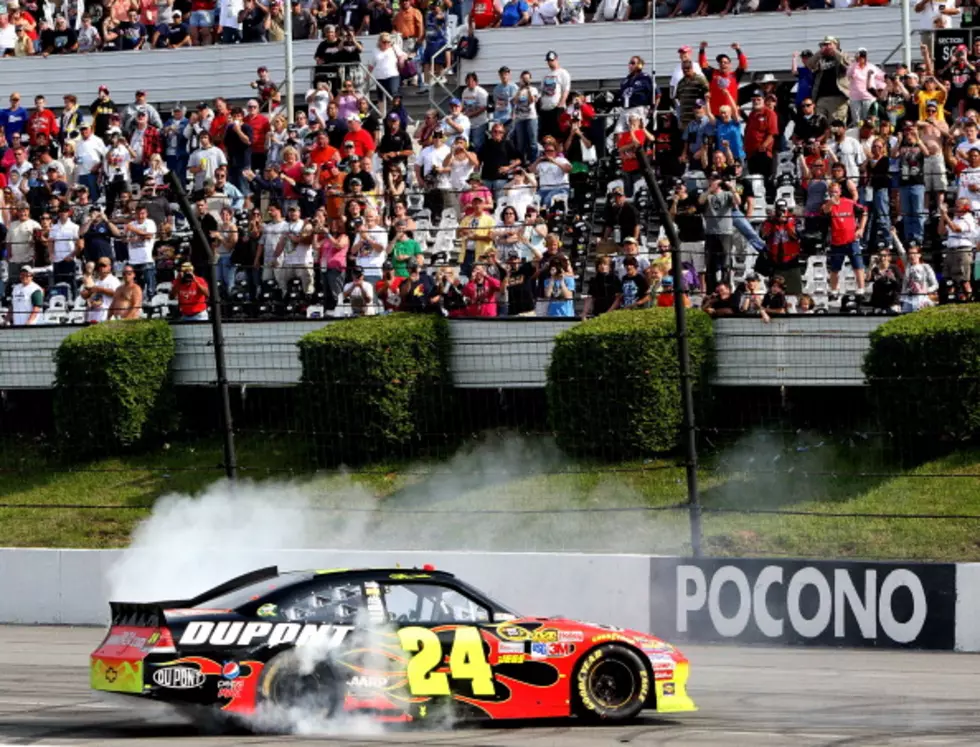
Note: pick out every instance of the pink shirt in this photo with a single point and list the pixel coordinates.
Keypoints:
(858, 78)
(333, 254)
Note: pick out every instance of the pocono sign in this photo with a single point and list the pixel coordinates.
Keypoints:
(806, 602)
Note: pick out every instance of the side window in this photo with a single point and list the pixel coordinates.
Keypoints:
(430, 603)
(325, 603)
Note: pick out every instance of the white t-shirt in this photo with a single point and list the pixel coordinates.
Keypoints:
(97, 309)
(22, 304)
(385, 64)
(228, 16)
(929, 14)
(271, 235)
(297, 254)
(64, 236)
(524, 103)
(432, 156)
(964, 238)
(475, 98)
(21, 240)
(459, 171)
(117, 162)
(550, 174)
(369, 259)
(545, 13)
(89, 153)
(361, 299)
(969, 177)
(851, 154)
(141, 250)
(554, 84)
(461, 120)
(8, 37)
(209, 160)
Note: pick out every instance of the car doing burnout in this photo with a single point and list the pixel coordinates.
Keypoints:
(398, 644)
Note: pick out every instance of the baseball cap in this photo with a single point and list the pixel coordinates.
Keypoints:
(412, 264)
(103, 88)
(351, 116)
(27, 268)
(262, 69)
(863, 52)
(722, 56)
(393, 116)
(757, 93)
(186, 267)
(387, 266)
(782, 204)
(141, 92)
(84, 126)
(931, 104)
(513, 254)
(177, 14)
(455, 102)
(830, 40)
(751, 276)
(355, 182)
(309, 170)
(617, 190)
(630, 240)
(699, 104)
(552, 55)
(684, 49)
(473, 177)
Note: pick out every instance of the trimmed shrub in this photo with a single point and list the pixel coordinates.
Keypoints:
(613, 383)
(112, 383)
(377, 386)
(922, 371)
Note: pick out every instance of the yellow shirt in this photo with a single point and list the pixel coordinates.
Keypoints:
(481, 239)
(939, 96)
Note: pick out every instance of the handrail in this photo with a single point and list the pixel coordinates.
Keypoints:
(377, 86)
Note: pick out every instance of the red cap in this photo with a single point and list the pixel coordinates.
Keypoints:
(683, 49)
(103, 88)
(263, 69)
(961, 48)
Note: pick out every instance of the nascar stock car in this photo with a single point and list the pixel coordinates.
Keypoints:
(397, 644)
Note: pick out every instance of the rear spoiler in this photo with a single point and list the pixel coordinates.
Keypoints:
(150, 614)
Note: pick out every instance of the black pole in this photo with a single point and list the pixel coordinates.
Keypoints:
(231, 464)
(683, 357)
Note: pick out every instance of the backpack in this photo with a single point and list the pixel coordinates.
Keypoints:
(468, 47)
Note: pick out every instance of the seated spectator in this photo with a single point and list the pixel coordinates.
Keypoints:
(481, 293)
(360, 293)
(559, 287)
(919, 286)
(634, 290)
(720, 303)
(552, 170)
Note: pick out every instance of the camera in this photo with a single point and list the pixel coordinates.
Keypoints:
(187, 277)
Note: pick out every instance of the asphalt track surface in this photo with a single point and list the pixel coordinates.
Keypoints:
(747, 696)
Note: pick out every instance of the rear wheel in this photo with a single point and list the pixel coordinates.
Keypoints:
(289, 689)
(612, 683)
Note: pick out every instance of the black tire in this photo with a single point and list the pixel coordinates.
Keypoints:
(285, 685)
(612, 684)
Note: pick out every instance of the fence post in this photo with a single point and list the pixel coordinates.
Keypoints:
(683, 358)
(217, 333)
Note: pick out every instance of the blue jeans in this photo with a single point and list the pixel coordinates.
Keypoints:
(913, 206)
(495, 185)
(548, 195)
(526, 138)
(745, 228)
(478, 136)
(226, 273)
(146, 278)
(64, 272)
(230, 36)
(178, 164)
(880, 222)
(91, 182)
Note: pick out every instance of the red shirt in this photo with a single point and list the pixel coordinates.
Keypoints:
(761, 124)
(483, 298)
(483, 13)
(363, 142)
(44, 122)
(218, 126)
(630, 161)
(720, 82)
(294, 172)
(387, 291)
(843, 222)
(260, 128)
(191, 297)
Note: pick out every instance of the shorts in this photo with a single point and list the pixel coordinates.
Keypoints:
(934, 170)
(851, 251)
(958, 265)
(201, 19)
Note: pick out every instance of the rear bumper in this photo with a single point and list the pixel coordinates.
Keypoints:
(116, 675)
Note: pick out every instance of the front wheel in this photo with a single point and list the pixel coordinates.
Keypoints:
(612, 683)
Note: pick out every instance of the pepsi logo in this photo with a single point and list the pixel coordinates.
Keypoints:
(230, 670)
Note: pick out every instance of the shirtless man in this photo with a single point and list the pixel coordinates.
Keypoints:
(127, 301)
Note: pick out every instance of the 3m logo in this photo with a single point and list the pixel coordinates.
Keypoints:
(251, 634)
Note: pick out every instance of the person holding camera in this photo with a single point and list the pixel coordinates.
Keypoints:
(559, 287)
(782, 254)
(360, 293)
(192, 294)
(526, 118)
(718, 204)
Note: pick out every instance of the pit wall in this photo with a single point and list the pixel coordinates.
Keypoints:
(760, 600)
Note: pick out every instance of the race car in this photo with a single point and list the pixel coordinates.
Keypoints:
(400, 645)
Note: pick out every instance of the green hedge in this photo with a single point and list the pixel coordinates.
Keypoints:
(613, 388)
(112, 386)
(377, 386)
(923, 371)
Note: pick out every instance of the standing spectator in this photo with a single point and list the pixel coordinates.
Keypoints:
(485, 14)
(911, 154)
(611, 10)
(127, 301)
(99, 295)
(526, 118)
(847, 223)
(26, 299)
(238, 145)
(141, 235)
(684, 55)
(499, 158)
(808, 123)
(863, 79)
(690, 91)
(14, 119)
(783, 248)
(144, 143)
(139, 105)
(363, 142)
(254, 19)
(638, 92)
(621, 219)
(172, 35)
(20, 240)
(385, 67)
(519, 281)
(728, 133)
(90, 154)
(920, 282)
(481, 293)
(514, 13)
(559, 287)
(830, 82)
(395, 147)
(456, 124)
(408, 22)
(204, 161)
(202, 22)
(175, 143)
(333, 262)
(635, 290)
(961, 232)
(101, 110)
(503, 99)
(845, 149)
(761, 131)
(934, 15)
(64, 245)
(718, 203)
(298, 252)
(552, 170)
(476, 236)
(630, 143)
(804, 75)
(192, 294)
(886, 283)
(10, 37)
(59, 40)
(42, 120)
(604, 287)
(131, 33)
(230, 21)
(475, 98)
(555, 86)
(723, 81)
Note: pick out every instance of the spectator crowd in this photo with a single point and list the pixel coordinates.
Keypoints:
(494, 206)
